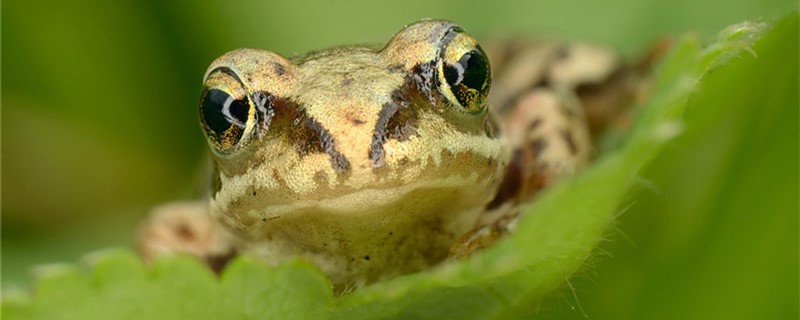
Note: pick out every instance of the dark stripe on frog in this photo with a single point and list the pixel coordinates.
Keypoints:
(538, 145)
(278, 68)
(398, 118)
(325, 141)
(396, 121)
(376, 152)
(512, 181)
(306, 133)
(570, 141)
(524, 176)
(265, 111)
(218, 261)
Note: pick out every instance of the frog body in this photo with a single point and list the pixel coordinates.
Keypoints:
(372, 163)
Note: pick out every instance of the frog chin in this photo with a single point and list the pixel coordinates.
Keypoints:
(368, 234)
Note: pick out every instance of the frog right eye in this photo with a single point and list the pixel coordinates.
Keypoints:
(226, 113)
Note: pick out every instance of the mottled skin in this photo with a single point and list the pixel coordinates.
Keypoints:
(373, 163)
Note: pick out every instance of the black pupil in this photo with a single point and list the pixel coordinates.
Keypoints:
(220, 111)
(474, 69)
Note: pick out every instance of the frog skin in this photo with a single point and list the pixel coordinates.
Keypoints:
(377, 162)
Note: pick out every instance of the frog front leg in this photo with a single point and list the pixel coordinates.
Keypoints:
(185, 228)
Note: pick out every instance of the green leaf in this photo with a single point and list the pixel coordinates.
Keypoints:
(120, 287)
(553, 241)
(733, 192)
(719, 238)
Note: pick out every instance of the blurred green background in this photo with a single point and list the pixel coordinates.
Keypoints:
(99, 124)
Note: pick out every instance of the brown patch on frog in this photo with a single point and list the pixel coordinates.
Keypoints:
(185, 232)
(320, 140)
(521, 180)
(235, 204)
(277, 176)
(320, 177)
(512, 180)
(347, 80)
(570, 141)
(218, 262)
(270, 218)
(396, 121)
(424, 79)
(354, 119)
(535, 124)
(307, 134)
(538, 145)
(562, 53)
(403, 161)
(265, 108)
(377, 154)
(278, 68)
(315, 138)
(395, 68)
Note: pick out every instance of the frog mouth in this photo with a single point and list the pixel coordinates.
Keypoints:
(369, 198)
(446, 200)
(472, 188)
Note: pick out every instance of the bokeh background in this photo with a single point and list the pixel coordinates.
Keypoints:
(99, 124)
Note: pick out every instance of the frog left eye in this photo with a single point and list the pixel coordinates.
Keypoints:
(226, 113)
(464, 72)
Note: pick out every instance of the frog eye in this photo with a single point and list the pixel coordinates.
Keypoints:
(226, 113)
(464, 72)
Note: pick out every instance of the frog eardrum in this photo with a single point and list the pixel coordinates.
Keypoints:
(464, 72)
(226, 113)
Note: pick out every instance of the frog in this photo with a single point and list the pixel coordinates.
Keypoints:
(373, 162)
